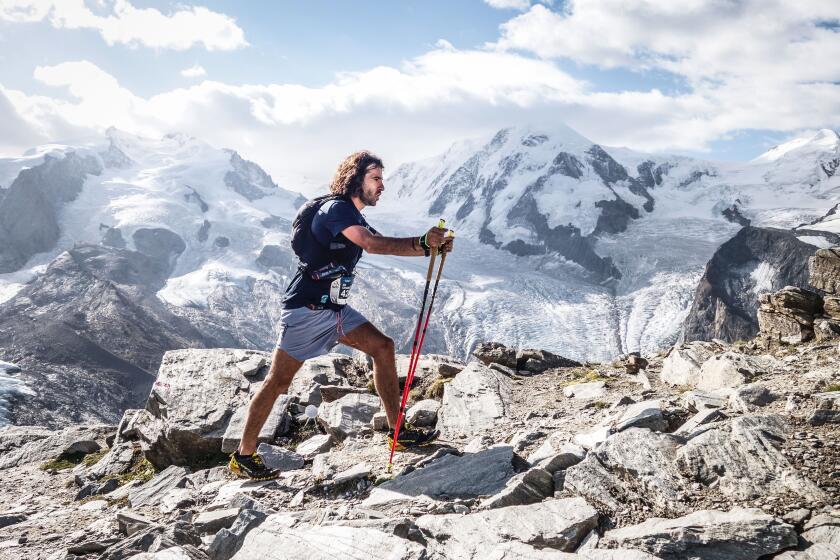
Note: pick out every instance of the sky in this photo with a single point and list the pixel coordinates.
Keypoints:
(296, 85)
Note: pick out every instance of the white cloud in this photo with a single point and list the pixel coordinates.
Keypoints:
(125, 24)
(418, 108)
(509, 4)
(751, 64)
(195, 71)
(698, 39)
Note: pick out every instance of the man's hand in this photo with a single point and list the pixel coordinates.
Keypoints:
(446, 246)
(434, 237)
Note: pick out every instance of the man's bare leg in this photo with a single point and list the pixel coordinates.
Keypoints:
(283, 370)
(380, 347)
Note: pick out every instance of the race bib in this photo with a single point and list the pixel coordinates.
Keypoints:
(340, 290)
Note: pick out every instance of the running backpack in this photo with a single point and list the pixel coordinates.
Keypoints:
(302, 237)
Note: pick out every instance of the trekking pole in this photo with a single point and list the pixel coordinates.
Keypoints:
(450, 233)
(406, 388)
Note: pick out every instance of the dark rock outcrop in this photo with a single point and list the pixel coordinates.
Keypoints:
(789, 314)
(89, 335)
(756, 260)
(824, 269)
(161, 245)
(29, 211)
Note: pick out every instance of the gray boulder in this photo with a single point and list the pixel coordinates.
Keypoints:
(826, 410)
(279, 458)
(154, 491)
(229, 540)
(557, 524)
(644, 414)
(823, 528)
(633, 466)
(554, 456)
(818, 551)
(331, 369)
(118, 460)
(532, 486)
(742, 459)
(71, 441)
(429, 366)
(729, 369)
(475, 402)
(495, 353)
(349, 415)
(824, 270)
(277, 422)
(423, 413)
(740, 534)
(451, 476)
(319, 443)
(196, 396)
(283, 535)
(682, 364)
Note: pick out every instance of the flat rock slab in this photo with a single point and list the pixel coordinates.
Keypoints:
(592, 390)
(153, 492)
(314, 445)
(823, 528)
(69, 441)
(279, 458)
(349, 415)
(644, 414)
(452, 476)
(534, 485)
(475, 402)
(740, 534)
(814, 552)
(212, 521)
(558, 524)
(280, 537)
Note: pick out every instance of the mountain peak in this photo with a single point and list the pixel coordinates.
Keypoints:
(823, 140)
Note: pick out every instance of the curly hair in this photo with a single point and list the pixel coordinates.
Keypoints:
(350, 174)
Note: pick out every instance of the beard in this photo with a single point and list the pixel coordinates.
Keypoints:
(368, 199)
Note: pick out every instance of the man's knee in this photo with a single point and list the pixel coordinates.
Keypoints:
(383, 347)
(283, 369)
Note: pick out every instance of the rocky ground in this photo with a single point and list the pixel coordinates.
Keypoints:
(707, 451)
(622, 460)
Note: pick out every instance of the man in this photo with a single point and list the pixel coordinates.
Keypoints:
(315, 315)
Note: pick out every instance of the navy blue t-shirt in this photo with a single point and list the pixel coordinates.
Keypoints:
(330, 246)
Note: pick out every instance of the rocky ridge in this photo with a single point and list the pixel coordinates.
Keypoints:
(710, 450)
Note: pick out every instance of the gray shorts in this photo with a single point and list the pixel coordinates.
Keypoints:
(306, 333)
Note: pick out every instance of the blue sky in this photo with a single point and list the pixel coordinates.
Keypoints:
(407, 78)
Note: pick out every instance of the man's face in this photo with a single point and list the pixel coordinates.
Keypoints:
(372, 187)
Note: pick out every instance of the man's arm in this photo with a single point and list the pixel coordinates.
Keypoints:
(379, 244)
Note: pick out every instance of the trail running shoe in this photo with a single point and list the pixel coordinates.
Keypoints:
(412, 437)
(251, 466)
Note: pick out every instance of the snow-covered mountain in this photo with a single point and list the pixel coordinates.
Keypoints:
(562, 244)
(628, 233)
